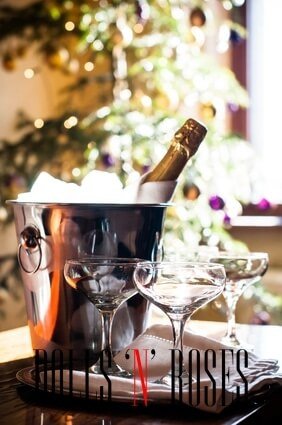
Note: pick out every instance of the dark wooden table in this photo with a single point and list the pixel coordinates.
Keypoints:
(21, 404)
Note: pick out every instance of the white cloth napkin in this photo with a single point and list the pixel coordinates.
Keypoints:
(224, 385)
(149, 192)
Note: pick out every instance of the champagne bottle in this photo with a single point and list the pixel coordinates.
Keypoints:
(183, 146)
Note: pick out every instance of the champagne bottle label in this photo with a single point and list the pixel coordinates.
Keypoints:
(183, 146)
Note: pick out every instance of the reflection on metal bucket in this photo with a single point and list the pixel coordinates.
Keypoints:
(48, 234)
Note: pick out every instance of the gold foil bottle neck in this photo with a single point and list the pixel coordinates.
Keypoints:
(190, 135)
(184, 145)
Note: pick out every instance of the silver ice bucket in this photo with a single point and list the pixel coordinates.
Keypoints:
(48, 234)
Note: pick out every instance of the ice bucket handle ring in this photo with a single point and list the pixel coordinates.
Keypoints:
(30, 242)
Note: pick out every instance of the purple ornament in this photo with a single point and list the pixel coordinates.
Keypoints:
(145, 168)
(14, 180)
(235, 37)
(263, 204)
(142, 10)
(227, 220)
(261, 318)
(216, 202)
(108, 160)
(232, 107)
(138, 7)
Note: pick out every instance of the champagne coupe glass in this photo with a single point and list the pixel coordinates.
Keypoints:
(179, 289)
(242, 270)
(107, 283)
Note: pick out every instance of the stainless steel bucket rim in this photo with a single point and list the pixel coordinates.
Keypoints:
(88, 205)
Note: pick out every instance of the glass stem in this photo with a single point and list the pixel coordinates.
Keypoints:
(178, 329)
(231, 317)
(107, 320)
(109, 364)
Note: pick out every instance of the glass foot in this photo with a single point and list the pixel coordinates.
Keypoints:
(107, 365)
(234, 342)
(181, 381)
(231, 340)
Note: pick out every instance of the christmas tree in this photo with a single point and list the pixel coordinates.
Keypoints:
(143, 67)
(153, 64)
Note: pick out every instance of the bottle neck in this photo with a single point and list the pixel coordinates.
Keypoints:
(171, 165)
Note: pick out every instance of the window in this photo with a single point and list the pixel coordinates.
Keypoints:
(264, 63)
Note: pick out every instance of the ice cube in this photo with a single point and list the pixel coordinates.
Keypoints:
(97, 187)
(47, 188)
(101, 187)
